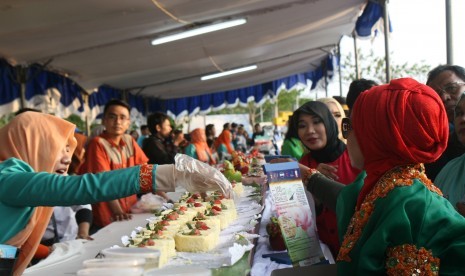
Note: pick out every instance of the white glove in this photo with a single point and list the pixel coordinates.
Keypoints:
(196, 176)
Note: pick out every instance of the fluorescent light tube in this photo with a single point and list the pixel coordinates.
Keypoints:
(230, 72)
(198, 31)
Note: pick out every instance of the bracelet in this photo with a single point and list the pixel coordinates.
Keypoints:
(307, 174)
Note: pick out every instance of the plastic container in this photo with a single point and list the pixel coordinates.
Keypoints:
(151, 256)
(117, 271)
(179, 271)
(114, 262)
(7, 251)
(8, 256)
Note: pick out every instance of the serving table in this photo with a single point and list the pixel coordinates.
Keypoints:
(104, 238)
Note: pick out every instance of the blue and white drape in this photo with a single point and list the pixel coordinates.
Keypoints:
(138, 110)
(44, 90)
(53, 93)
(189, 106)
(50, 91)
(98, 99)
(10, 96)
(371, 20)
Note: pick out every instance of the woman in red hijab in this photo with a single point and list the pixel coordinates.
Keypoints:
(398, 223)
(198, 148)
(223, 144)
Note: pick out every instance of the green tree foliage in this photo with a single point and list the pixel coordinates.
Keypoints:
(374, 67)
(287, 101)
(75, 119)
(5, 119)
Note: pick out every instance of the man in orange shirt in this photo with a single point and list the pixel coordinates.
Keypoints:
(112, 150)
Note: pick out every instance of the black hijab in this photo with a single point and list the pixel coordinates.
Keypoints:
(334, 146)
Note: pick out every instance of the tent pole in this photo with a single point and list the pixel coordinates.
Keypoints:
(23, 95)
(357, 68)
(325, 68)
(339, 67)
(146, 105)
(124, 95)
(449, 38)
(85, 97)
(21, 76)
(276, 108)
(386, 41)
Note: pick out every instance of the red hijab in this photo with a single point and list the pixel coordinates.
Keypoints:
(403, 122)
(225, 138)
(199, 140)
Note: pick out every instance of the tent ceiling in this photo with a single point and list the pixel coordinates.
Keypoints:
(108, 41)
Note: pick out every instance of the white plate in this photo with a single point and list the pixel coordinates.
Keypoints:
(115, 262)
(179, 271)
(118, 271)
(151, 256)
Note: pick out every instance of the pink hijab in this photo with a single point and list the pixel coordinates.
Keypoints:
(36, 139)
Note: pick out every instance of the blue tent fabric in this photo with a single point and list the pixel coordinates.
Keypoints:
(103, 95)
(106, 93)
(137, 102)
(9, 87)
(39, 80)
(155, 104)
(372, 13)
(189, 106)
(97, 100)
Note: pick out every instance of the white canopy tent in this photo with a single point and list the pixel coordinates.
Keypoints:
(108, 41)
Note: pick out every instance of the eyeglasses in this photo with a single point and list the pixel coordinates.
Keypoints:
(451, 88)
(346, 126)
(114, 117)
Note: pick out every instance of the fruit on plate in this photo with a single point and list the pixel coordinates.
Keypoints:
(275, 236)
(239, 160)
(245, 170)
(230, 173)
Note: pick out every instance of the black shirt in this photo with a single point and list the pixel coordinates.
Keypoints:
(157, 152)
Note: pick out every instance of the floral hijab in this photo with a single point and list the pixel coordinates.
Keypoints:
(36, 139)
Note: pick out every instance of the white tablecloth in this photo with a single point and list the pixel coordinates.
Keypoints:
(69, 257)
(106, 237)
(264, 266)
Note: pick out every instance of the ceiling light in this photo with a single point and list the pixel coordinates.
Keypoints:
(198, 31)
(230, 72)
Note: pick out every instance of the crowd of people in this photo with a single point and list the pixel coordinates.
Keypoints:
(386, 173)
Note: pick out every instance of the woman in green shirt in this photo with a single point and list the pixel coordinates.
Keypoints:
(395, 221)
(35, 154)
(291, 144)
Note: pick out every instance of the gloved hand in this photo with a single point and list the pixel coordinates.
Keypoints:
(196, 176)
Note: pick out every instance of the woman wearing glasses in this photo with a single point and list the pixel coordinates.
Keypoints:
(451, 179)
(395, 221)
(318, 131)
